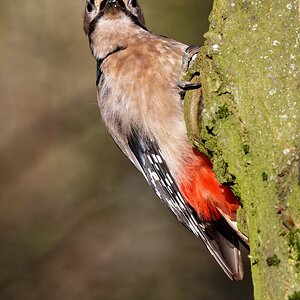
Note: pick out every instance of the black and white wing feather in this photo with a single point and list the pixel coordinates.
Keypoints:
(222, 244)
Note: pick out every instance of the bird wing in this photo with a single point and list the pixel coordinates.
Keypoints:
(220, 240)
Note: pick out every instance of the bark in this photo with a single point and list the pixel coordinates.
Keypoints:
(249, 127)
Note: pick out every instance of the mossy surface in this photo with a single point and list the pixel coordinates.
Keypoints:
(249, 126)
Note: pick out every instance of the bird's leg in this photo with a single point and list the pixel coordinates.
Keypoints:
(186, 76)
(192, 104)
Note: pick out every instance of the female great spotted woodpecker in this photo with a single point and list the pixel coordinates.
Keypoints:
(140, 103)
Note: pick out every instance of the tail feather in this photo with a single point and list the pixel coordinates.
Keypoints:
(228, 243)
(244, 239)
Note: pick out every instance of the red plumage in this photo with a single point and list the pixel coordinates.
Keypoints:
(204, 192)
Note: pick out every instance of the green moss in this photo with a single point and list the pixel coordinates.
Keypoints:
(242, 220)
(264, 176)
(295, 296)
(273, 261)
(250, 130)
(246, 149)
(294, 246)
(223, 112)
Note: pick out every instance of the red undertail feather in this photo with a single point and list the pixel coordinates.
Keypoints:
(204, 192)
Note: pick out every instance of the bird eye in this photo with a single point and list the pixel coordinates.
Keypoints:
(133, 3)
(89, 7)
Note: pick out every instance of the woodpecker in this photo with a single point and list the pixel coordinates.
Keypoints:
(138, 93)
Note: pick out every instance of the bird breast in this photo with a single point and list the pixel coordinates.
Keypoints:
(138, 89)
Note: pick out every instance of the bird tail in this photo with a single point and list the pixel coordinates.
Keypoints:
(228, 243)
(216, 206)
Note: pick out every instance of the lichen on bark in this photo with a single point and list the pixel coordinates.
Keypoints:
(249, 126)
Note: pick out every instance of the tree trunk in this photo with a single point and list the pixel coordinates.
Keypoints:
(249, 127)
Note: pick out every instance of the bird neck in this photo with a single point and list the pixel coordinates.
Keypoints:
(104, 40)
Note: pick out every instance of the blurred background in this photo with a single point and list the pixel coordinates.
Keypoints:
(77, 221)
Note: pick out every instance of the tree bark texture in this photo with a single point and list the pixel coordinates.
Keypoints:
(249, 126)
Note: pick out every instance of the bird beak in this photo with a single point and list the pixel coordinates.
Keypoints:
(112, 6)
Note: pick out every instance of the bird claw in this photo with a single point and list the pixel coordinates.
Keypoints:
(188, 60)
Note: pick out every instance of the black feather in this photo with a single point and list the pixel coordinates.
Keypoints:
(98, 70)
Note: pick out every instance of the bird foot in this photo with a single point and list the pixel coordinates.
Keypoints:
(188, 60)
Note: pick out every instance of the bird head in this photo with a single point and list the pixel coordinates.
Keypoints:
(111, 10)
